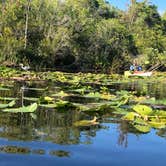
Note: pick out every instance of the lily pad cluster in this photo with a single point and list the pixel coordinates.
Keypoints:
(93, 94)
(143, 118)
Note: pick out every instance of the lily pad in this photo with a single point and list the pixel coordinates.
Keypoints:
(30, 108)
(48, 105)
(8, 98)
(59, 104)
(31, 98)
(143, 110)
(4, 89)
(60, 94)
(86, 122)
(46, 100)
(157, 125)
(140, 121)
(129, 116)
(64, 104)
(142, 128)
(34, 89)
(34, 116)
(119, 111)
(11, 104)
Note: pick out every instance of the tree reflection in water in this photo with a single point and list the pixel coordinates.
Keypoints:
(26, 150)
(123, 129)
(51, 125)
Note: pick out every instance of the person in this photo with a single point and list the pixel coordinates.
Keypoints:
(132, 67)
(139, 68)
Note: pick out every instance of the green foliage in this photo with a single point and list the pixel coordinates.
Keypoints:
(145, 118)
(143, 110)
(129, 116)
(142, 128)
(81, 35)
(82, 123)
(10, 104)
(25, 109)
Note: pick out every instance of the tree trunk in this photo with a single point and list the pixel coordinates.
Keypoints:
(26, 23)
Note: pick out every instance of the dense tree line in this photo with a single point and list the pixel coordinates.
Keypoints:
(81, 35)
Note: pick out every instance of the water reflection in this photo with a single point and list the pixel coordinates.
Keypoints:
(49, 126)
(152, 89)
(14, 149)
(60, 153)
(27, 150)
(123, 134)
(161, 133)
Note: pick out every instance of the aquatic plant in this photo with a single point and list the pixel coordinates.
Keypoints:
(86, 122)
(143, 118)
(10, 104)
(25, 109)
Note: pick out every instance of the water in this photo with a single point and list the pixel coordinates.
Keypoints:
(51, 139)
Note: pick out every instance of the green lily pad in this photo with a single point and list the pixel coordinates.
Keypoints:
(8, 98)
(34, 116)
(143, 110)
(129, 116)
(123, 101)
(4, 89)
(86, 122)
(142, 128)
(82, 107)
(64, 104)
(35, 89)
(60, 94)
(93, 95)
(119, 111)
(157, 125)
(140, 121)
(11, 104)
(30, 108)
(160, 113)
(59, 104)
(48, 105)
(31, 98)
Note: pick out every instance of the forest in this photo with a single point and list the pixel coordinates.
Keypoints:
(84, 35)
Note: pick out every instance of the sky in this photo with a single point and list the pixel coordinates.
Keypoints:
(122, 4)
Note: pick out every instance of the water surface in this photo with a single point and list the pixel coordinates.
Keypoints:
(51, 139)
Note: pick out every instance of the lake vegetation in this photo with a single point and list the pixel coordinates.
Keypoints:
(87, 93)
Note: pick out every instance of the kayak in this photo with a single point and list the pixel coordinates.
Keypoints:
(138, 73)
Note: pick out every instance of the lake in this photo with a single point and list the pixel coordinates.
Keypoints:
(48, 137)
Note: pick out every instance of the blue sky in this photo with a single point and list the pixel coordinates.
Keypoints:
(122, 4)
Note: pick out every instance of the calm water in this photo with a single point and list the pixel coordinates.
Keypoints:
(51, 139)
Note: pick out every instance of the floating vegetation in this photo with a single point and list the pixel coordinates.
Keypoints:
(89, 94)
(46, 100)
(98, 95)
(59, 105)
(143, 118)
(60, 94)
(24, 109)
(86, 122)
(31, 98)
(4, 89)
(8, 98)
(10, 104)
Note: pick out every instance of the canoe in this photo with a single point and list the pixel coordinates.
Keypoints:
(138, 73)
